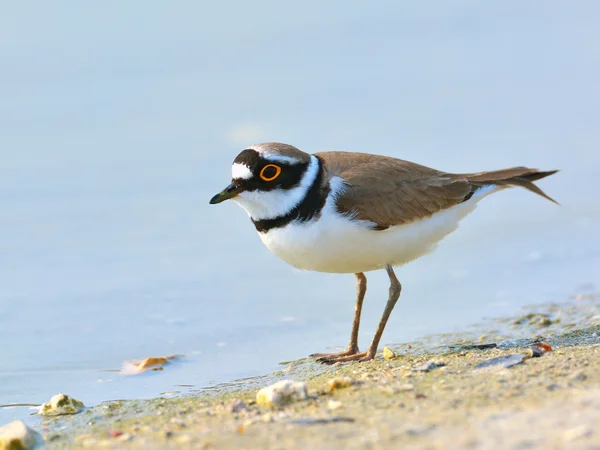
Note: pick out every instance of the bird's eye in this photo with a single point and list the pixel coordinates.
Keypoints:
(270, 172)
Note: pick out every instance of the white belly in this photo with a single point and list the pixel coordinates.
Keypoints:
(337, 244)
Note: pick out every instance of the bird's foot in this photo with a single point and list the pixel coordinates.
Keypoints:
(339, 357)
(348, 352)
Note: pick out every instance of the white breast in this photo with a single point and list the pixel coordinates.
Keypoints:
(335, 243)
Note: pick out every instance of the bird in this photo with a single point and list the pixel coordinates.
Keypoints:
(346, 212)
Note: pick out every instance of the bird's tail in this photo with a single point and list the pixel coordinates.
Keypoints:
(515, 176)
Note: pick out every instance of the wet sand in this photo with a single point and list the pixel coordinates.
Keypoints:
(552, 401)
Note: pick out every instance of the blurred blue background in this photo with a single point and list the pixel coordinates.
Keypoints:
(119, 120)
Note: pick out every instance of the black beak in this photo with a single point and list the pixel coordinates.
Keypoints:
(229, 192)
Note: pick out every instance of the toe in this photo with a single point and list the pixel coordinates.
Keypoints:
(340, 358)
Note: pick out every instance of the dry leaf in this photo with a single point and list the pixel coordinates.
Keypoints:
(152, 363)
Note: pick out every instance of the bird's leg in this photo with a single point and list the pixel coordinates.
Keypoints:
(352, 349)
(394, 294)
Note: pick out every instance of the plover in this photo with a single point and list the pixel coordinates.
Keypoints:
(343, 212)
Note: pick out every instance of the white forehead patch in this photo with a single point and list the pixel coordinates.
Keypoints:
(240, 171)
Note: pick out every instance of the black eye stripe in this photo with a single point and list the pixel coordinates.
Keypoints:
(289, 177)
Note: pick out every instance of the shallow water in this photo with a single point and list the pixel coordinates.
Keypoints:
(118, 124)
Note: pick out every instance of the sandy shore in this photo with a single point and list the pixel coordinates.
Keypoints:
(551, 401)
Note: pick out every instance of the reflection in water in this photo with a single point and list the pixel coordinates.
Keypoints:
(116, 133)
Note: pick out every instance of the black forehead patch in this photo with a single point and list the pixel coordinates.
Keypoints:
(248, 157)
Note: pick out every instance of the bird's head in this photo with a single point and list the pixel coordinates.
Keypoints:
(270, 179)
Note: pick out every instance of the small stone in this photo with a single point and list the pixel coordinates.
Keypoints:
(268, 418)
(60, 404)
(237, 406)
(320, 421)
(577, 433)
(334, 404)
(125, 437)
(419, 430)
(501, 362)
(539, 319)
(429, 365)
(539, 349)
(388, 353)
(339, 383)
(404, 387)
(282, 393)
(577, 376)
(17, 436)
(398, 389)
(53, 437)
(485, 346)
(183, 439)
(178, 422)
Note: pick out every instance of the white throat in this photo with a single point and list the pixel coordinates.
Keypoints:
(261, 205)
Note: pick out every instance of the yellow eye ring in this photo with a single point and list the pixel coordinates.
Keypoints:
(271, 178)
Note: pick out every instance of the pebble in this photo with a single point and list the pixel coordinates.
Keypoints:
(401, 388)
(577, 433)
(334, 404)
(429, 365)
(268, 418)
(17, 436)
(60, 404)
(388, 353)
(339, 383)
(501, 362)
(539, 349)
(469, 346)
(311, 421)
(539, 319)
(404, 387)
(183, 439)
(577, 376)
(178, 422)
(419, 430)
(125, 437)
(237, 406)
(282, 393)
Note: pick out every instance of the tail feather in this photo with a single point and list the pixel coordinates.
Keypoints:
(515, 176)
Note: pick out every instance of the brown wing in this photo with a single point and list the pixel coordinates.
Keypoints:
(389, 191)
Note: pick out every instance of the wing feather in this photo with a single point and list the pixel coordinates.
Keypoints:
(389, 191)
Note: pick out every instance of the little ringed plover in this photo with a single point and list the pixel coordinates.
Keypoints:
(347, 212)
